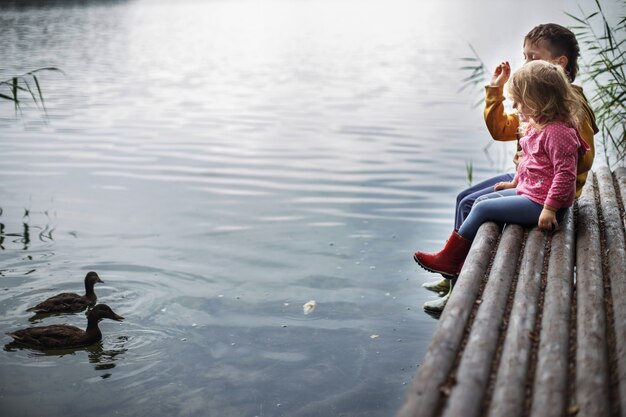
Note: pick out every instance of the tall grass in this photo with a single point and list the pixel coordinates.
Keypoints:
(469, 170)
(477, 76)
(605, 67)
(25, 85)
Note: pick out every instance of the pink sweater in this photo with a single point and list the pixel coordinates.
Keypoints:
(547, 170)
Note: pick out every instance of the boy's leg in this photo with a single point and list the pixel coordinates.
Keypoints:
(440, 286)
(503, 207)
(466, 198)
(437, 306)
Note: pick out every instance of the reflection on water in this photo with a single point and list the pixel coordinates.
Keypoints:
(22, 238)
(102, 359)
(219, 164)
(105, 359)
(40, 317)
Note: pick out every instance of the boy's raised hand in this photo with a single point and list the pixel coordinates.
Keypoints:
(501, 74)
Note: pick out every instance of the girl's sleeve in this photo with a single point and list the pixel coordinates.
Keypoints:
(562, 147)
(502, 126)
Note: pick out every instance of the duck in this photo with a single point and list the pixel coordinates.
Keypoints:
(62, 336)
(69, 302)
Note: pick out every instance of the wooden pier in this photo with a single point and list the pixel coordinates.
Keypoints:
(536, 325)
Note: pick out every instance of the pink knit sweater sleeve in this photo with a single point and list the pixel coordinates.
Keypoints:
(562, 146)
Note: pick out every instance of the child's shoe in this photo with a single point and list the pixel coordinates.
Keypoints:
(435, 307)
(441, 286)
(449, 260)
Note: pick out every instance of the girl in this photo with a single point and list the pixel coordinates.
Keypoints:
(545, 183)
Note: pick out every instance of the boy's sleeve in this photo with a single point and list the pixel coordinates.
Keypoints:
(587, 129)
(586, 160)
(502, 126)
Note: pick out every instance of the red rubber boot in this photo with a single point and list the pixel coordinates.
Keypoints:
(449, 260)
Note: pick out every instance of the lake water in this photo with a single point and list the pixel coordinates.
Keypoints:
(221, 163)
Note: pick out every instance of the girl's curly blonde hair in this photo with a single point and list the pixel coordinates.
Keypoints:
(545, 94)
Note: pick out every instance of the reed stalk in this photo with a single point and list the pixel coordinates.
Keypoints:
(27, 85)
(469, 169)
(477, 76)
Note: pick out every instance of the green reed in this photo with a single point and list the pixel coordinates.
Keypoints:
(605, 44)
(25, 85)
(476, 78)
(469, 169)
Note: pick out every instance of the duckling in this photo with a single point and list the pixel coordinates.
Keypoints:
(62, 336)
(68, 302)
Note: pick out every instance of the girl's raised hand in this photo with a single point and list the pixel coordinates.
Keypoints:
(501, 74)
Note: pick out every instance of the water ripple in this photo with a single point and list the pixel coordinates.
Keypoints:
(216, 188)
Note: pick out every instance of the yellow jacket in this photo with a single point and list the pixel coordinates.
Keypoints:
(504, 127)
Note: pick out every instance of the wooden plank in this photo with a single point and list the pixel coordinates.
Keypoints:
(475, 367)
(424, 397)
(591, 394)
(550, 387)
(620, 175)
(510, 386)
(615, 247)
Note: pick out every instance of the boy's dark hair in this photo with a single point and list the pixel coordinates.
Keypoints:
(559, 41)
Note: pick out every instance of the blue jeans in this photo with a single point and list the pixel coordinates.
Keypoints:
(503, 207)
(466, 198)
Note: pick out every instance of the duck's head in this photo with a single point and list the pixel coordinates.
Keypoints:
(91, 278)
(103, 311)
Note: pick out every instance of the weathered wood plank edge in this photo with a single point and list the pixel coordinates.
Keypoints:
(550, 386)
(615, 287)
(509, 393)
(591, 395)
(619, 296)
(424, 396)
(474, 369)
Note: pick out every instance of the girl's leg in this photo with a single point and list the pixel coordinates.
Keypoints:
(509, 192)
(466, 198)
(502, 207)
(464, 202)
